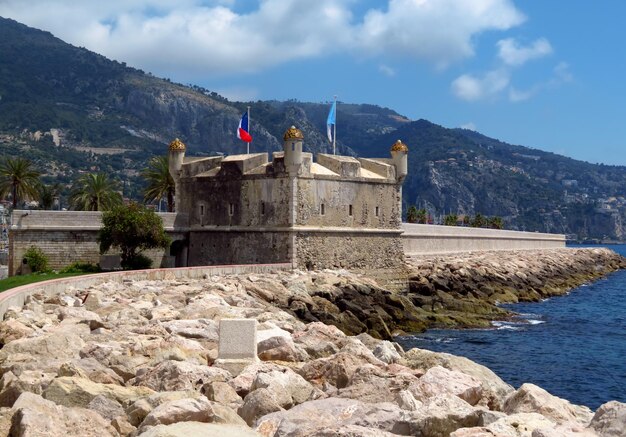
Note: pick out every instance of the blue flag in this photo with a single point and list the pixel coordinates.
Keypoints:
(332, 116)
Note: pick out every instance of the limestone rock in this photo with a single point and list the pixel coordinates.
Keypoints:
(139, 409)
(257, 404)
(191, 410)
(386, 352)
(280, 348)
(333, 413)
(532, 399)
(35, 416)
(565, 430)
(199, 328)
(242, 383)
(288, 387)
(188, 429)
(494, 389)
(610, 419)
(106, 407)
(438, 380)
(320, 340)
(79, 392)
(223, 393)
(12, 329)
(336, 369)
(441, 415)
(176, 375)
(12, 386)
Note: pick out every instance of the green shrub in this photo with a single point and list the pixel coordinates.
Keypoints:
(138, 262)
(36, 259)
(79, 267)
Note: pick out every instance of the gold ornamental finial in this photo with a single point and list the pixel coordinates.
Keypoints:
(399, 146)
(177, 145)
(293, 133)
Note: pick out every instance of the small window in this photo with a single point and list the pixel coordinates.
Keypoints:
(201, 209)
(262, 208)
(376, 211)
(350, 210)
(231, 209)
(322, 209)
(293, 147)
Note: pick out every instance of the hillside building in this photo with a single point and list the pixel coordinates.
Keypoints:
(328, 212)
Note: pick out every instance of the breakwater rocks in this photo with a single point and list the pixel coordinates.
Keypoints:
(138, 359)
(451, 291)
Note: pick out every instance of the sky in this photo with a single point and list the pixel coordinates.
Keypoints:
(544, 74)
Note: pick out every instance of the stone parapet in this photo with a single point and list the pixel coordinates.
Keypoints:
(432, 239)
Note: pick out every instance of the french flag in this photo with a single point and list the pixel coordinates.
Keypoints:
(243, 132)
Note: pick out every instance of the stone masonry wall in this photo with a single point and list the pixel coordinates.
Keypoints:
(320, 250)
(241, 247)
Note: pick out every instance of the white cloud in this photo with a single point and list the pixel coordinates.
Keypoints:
(473, 88)
(562, 73)
(239, 94)
(469, 125)
(196, 38)
(386, 70)
(513, 53)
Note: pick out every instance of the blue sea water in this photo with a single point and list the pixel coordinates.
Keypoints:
(574, 346)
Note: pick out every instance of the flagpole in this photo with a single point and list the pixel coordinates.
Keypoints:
(335, 127)
(249, 129)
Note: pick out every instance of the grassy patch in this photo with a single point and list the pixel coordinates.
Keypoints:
(16, 281)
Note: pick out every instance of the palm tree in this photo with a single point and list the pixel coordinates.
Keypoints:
(47, 194)
(94, 192)
(18, 178)
(160, 182)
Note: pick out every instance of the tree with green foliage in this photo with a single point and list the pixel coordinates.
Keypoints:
(19, 179)
(94, 192)
(47, 194)
(422, 216)
(450, 220)
(478, 221)
(160, 182)
(496, 222)
(411, 214)
(132, 228)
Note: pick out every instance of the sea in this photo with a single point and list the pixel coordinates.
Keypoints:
(574, 346)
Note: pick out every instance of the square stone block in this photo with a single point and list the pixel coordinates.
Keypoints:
(237, 339)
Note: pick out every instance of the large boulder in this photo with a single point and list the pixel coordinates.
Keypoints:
(333, 413)
(494, 389)
(288, 387)
(12, 386)
(79, 392)
(257, 404)
(173, 375)
(35, 416)
(530, 398)
(188, 429)
(373, 384)
(610, 419)
(191, 410)
(320, 340)
(337, 369)
(441, 415)
(438, 380)
(139, 409)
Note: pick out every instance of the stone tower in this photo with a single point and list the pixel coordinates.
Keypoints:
(176, 156)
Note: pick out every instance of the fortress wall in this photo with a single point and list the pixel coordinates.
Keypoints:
(323, 249)
(67, 237)
(215, 247)
(432, 239)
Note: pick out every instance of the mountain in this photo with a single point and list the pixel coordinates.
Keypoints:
(71, 110)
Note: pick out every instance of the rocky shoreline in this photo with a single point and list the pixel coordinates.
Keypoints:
(138, 358)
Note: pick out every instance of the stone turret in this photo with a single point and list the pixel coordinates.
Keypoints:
(399, 157)
(292, 146)
(176, 155)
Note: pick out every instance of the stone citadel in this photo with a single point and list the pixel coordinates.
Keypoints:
(336, 211)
